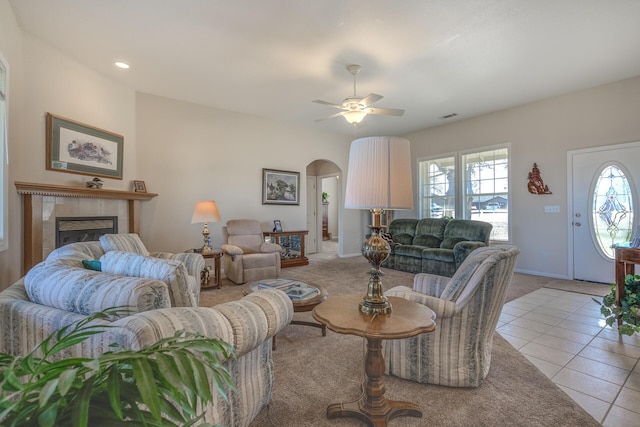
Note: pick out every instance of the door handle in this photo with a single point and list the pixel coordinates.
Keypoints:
(577, 224)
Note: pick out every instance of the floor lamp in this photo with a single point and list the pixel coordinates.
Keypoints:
(378, 179)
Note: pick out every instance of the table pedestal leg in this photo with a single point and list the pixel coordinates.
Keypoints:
(373, 407)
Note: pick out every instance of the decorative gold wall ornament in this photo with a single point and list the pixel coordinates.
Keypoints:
(536, 185)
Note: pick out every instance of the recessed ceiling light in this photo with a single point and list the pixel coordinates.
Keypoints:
(121, 64)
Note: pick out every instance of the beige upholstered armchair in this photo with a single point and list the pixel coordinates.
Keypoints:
(467, 307)
(247, 256)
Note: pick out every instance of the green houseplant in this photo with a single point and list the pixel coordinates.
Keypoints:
(164, 384)
(629, 308)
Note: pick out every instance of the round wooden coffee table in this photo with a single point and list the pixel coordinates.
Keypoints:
(304, 304)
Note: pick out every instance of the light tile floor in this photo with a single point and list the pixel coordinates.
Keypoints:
(563, 334)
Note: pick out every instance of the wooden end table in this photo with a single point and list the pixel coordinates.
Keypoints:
(342, 314)
(216, 254)
(626, 260)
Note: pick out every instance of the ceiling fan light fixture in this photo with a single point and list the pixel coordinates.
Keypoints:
(354, 116)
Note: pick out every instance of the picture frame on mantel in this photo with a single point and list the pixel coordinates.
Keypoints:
(79, 148)
(139, 187)
(280, 187)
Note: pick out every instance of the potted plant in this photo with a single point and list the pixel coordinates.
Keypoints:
(325, 197)
(629, 308)
(164, 384)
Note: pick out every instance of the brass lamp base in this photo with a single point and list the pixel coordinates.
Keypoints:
(206, 249)
(375, 250)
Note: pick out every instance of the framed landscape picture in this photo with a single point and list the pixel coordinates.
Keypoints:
(75, 147)
(280, 187)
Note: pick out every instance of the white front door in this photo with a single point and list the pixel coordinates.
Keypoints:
(603, 207)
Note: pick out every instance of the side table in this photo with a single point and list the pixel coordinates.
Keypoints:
(626, 260)
(216, 254)
(341, 314)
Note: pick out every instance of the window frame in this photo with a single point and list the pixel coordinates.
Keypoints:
(460, 180)
(4, 153)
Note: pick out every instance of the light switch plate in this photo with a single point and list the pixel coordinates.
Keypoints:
(552, 209)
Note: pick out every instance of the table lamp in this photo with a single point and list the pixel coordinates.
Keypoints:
(205, 211)
(378, 179)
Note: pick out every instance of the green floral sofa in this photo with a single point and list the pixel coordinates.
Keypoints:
(433, 245)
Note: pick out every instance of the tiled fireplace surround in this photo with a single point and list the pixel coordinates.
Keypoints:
(43, 203)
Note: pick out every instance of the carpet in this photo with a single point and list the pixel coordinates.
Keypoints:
(312, 371)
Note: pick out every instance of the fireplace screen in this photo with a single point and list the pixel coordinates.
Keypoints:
(84, 229)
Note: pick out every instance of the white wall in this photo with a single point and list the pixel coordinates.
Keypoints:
(46, 80)
(11, 48)
(542, 132)
(189, 153)
(60, 85)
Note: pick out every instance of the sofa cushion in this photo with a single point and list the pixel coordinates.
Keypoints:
(427, 241)
(409, 250)
(468, 230)
(245, 234)
(432, 227)
(72, 254)
(171, 272)
(123, 242)
(451, 242)
(82, 291)
(437, 254)
(403, 238)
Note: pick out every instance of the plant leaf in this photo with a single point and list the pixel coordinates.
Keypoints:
(48, 417)
(80, 411)
(143, 374)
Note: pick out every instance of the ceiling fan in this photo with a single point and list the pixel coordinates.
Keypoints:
(355, 107)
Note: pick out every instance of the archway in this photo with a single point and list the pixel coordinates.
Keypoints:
(323, 219)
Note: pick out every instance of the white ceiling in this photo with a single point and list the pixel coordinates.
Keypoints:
(272, 58)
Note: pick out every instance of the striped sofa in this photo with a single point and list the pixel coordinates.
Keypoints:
(60, 291)
(467, 308)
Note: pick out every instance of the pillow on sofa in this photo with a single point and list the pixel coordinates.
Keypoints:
(86, 292)
(123, 242)
(92, 264)
(170, 271)
(387, 238)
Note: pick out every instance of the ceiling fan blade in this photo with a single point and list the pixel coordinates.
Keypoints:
(330, 117)
(370, 99)
(385, 111)
(330, 104)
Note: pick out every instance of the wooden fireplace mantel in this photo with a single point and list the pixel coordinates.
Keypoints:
(32, 211)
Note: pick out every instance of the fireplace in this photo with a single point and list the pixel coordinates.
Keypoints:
(42, 203)
(84, 229)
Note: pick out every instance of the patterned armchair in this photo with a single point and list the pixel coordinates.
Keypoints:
(122, 255)
(467, 307)
(247, 256)
(157, 293)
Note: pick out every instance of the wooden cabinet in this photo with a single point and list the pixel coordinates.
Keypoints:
(325, 221)
(626, 260)
(292, 243)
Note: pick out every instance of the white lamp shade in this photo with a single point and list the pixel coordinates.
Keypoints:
(379, 174)
(205, 211)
